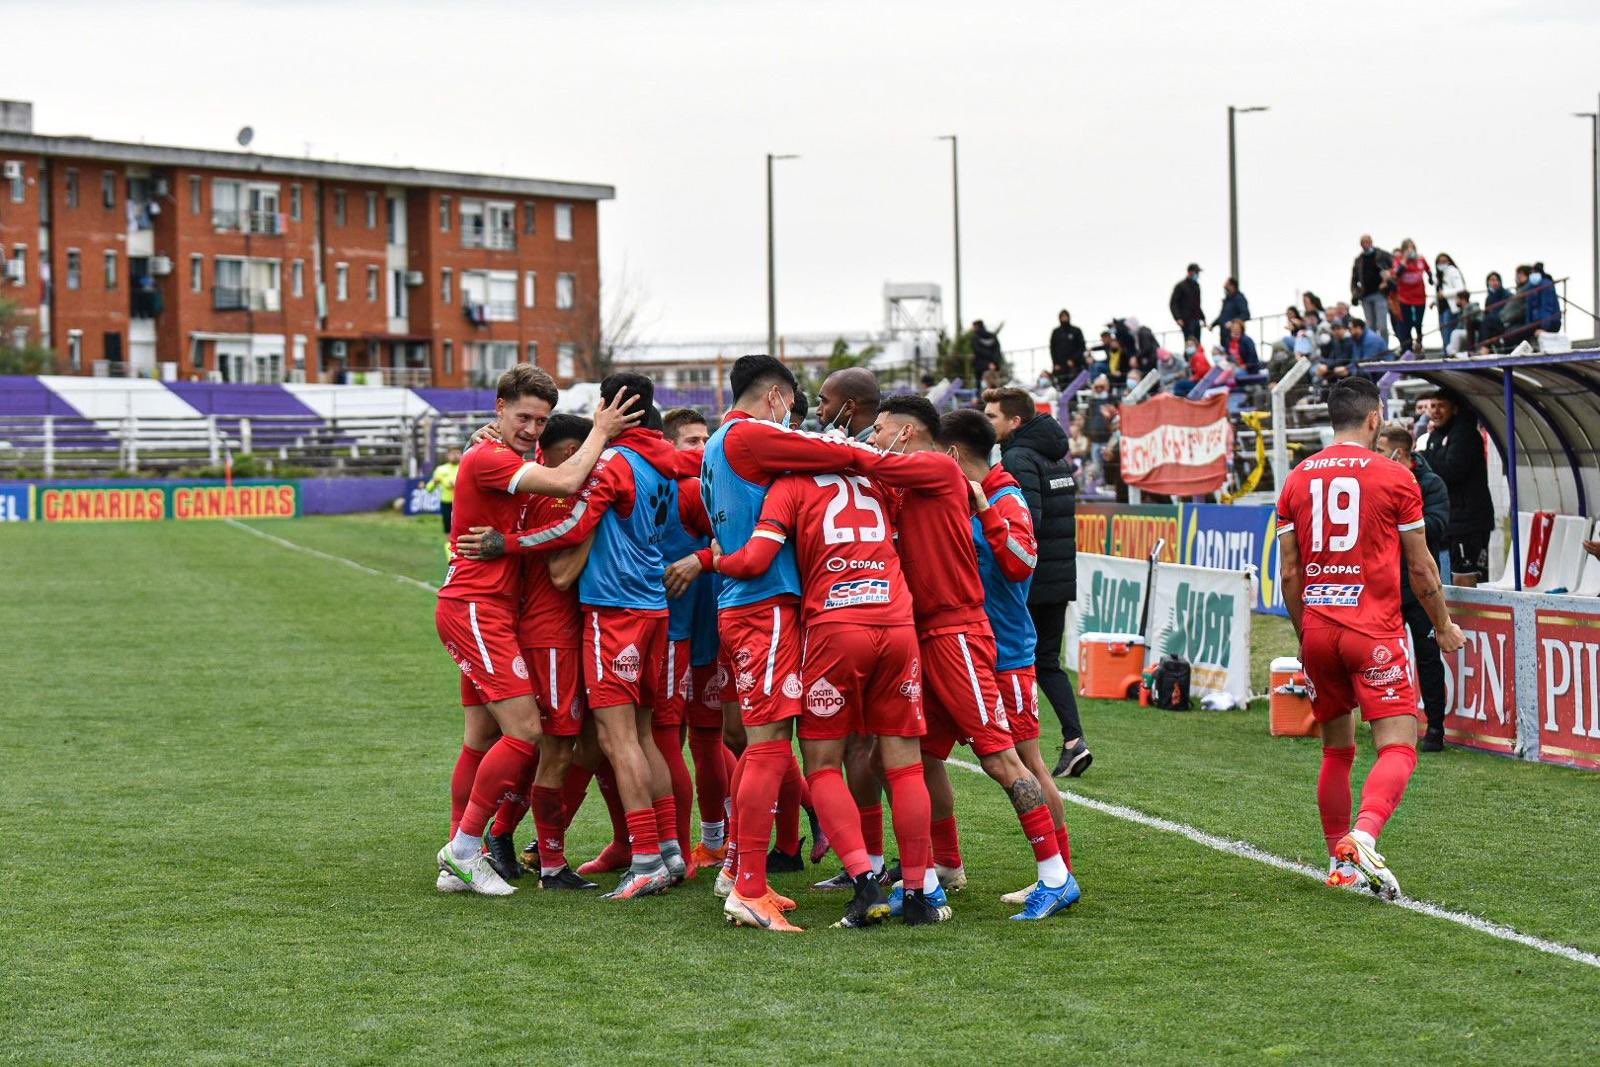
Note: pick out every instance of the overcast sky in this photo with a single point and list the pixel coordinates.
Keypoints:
(1093, 135)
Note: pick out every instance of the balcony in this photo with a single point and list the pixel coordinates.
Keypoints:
(266, 223)
(501, 239)
(232, 298)
(145, 303)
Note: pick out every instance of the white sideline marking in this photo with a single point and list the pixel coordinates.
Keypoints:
(236, 524)
(1251, 852)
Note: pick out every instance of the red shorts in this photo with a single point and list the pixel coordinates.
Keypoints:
(1020, 695)
(556, 689)
(624, 657)
(705, 699)
(679, 676)
(861, 680)
(762, 642)
(959, 695)
(481, 636)
(1349, 670)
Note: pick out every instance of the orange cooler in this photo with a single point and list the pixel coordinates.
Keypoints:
(1291, 700)
(1110, 665)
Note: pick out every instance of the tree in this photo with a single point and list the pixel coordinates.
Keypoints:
(18, 353)
(603, 328)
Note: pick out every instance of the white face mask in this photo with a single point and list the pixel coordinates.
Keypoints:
(837, 422)
(1535, 278)
(784, 419)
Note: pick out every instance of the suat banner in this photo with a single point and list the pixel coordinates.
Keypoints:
(1480, 681)
(157, 501)
(1129, 530)
(1110, 598)
(1175, 446)
(16, 503)
(1232, 537)
(1202, 616)
(1568, 645)
(421, 500)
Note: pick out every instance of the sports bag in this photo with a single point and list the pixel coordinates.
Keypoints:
(1170, 690)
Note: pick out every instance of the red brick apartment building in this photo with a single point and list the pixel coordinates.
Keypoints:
(134, 259)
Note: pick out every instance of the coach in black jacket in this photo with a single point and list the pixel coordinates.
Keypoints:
(1033, 450)
(1456, 453)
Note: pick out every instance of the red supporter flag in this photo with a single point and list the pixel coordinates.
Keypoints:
(1175, 446)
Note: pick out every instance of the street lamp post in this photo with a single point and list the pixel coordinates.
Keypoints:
(1233, 193)
(1594, 214)
(772, 285)
(955, 194)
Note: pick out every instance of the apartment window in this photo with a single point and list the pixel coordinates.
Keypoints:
(72, 186)
(297, 277)
(111, 269)
(528, 280)
(194, 196)
(17, 269)
(248, 207)
(197, 271)
(533, 352)
(566, 290)
(74, 269)
(563, 222)
(446, 284)
(527, 218)
(372, 210)
(240, 283)
(394, 220)
(228, 284)
(566, 361)
(444, 214)
(399, 302)
(502, 224)
(489, 360)
(372, 284)
(472, 225)
(338, 207)
(17, 178)
(341, 281)
(112, 342)
(449, 356)
(295, 205)
(495, 291)
(108, 189)
(75, 349)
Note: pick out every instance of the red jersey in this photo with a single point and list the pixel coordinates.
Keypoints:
(548, 617)
(934, 522)
(1409, 277)
(844, 543)
(484, 498)
(1346, 507)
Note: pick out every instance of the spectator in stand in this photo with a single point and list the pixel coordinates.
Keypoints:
(986, 354)
(1116, 366)
(1185, 303)
(1068, 351)
(1456, 454)
(1466, 324)
(1312, 305)
(1494, 304)
(1340, 313)
(1394, 441)
(1078, 444)
(1101, 364)
(1241, 349)
(1544, 306)
(1514, 314)
(1234, 306)
(1368, 346)
(1334, 359)
(1448, 281)
(1142, 353)
(1293, 322)
(1170, 368)
(1099, 419)
(1412, 276)
(1370, 279)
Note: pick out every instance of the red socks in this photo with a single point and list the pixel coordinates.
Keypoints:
(789, 803)
(550, 823)
(711, 771)
(735, 780)
(1064, 843)
(513, 806)
(669, 740)
(461, 783)
(908, 793)
(573, 789)
(760, 775)
(871, 828)
(666, 812)
(1333, 793)
(946, 843)
(841, 821)
(642, 833)
(505, 768)
(1385, 785)
(1041, 831)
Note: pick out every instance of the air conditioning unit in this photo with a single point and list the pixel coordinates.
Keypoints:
(13, 170)
(160, 266)
(413, 278)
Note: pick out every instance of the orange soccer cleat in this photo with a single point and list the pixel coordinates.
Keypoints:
(701, 856)
(765, 913)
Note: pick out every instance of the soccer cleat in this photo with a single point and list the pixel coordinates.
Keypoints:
(1432, 740)
(1074, 760)
(530, 854)
(616, 856)
(780, 862)
(819, 839)
(449, 883)
(842, 880)
(1362, 853)
(701, 856)
(951, 879)
(763, 913)
(475, 873)
(783, 902)
(1046, 900)
(565, 878)
(1020, 896)
(1345, 875)
(724, 883)
(640, 882)
(897, 898)
(867, 907)
(920, 910)
(677, 868)
(891, 874)
(502, 853)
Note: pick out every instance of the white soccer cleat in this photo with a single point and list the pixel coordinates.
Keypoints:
(1360, 850)
(724, 883)
(475, 873)
(449, 883)
(1020, 896)
(1345, 875)
(953, 879)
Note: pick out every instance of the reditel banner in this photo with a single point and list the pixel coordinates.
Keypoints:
(1176, 446)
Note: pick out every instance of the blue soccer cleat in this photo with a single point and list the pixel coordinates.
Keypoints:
(1046, 900)
(897, 899)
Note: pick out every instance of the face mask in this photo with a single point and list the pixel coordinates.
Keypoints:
(838, 421)
(781, 421)
(1535, 278)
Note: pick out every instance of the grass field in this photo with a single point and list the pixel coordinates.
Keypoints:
(225, 771)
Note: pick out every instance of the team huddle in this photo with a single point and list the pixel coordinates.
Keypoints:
(616, 591)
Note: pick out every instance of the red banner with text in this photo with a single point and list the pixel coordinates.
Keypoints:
(1176, 446)
(1568, 657)
(1481, 679)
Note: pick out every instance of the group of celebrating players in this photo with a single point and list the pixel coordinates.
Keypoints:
(620, 586)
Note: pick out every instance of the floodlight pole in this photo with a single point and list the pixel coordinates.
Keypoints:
(955, 196)
(1233, 194)
(772, 285)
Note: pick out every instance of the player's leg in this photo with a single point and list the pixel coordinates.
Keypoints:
(1332, 701)
(506, 765)
(904, 775)
(1378, 675)
(589, 764)
(793, 798)
(561, 715)
(861, 772)
(711, 769)
(479, 732)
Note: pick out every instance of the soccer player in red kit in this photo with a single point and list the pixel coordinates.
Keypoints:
(1344, 515)
(860, 669)
(477, 614)
(960, 698)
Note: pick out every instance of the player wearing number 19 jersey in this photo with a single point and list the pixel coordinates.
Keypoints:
(1343, 517)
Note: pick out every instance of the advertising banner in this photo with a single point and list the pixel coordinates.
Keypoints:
(1480, 682)
(16, 503)
(157, 501)
(1175, 446)
(1568, 655)
(421, 500)
(1202, 616)
(1129, 530)
(1232, 537)
(1110, 598)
